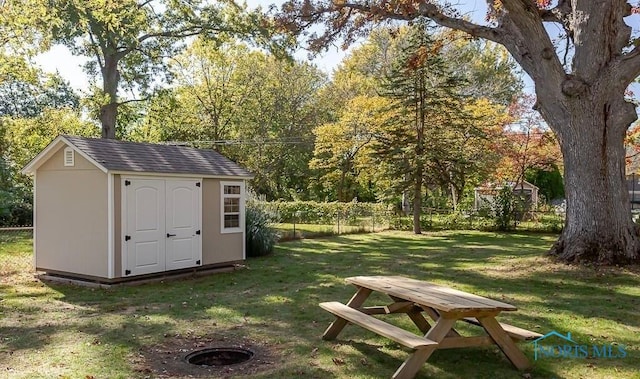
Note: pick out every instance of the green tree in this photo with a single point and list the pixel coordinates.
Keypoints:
(427, 97)
(26, 137)
(343, 149)
(128, 41)
(489, 70)
(212, 87)
(275, 125)
(29, 96)
(580, 86)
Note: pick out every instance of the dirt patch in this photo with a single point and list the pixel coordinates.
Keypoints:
(167, 359)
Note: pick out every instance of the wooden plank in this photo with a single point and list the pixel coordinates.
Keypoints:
(504, 342)
(418, 319)
(457, 342)
(375, 310)
(399, 307)
(414, 296)
(449, 293)
(420, 294)
(440, 297)
(513, 331)
(356, 301)
(380, 327)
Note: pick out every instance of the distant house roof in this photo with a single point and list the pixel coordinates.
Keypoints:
(124, 156)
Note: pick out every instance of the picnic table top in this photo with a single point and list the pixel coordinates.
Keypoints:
(431, 295)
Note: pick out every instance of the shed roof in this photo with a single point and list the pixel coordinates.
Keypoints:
(124, 156)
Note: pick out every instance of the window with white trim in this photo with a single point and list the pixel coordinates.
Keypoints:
(232, 207)
(69, 157)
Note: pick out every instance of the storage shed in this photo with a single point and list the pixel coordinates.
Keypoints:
(108, 210)
(485, 195)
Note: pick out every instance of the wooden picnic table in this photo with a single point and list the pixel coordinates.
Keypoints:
(442, 305)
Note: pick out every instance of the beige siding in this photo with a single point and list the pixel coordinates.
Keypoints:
(217, 247)
(72, 222)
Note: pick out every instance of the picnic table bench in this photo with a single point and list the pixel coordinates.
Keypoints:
(444, 306)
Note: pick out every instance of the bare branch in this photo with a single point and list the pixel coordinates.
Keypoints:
(133, 101)
(94, 47)
(142, 4)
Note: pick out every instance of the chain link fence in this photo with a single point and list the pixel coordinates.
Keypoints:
(16, 253)
(294, 221)
(305, 224)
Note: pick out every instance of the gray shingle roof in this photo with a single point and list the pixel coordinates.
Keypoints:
(147, 157)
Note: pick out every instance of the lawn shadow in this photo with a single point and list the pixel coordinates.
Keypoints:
(275, 299)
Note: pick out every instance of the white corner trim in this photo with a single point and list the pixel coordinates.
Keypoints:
(110, 228)
(200, 226)
(34, 222)
(124, 251)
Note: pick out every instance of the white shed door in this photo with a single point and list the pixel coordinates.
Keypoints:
(145, 212)
(162, 226)
(183, 223)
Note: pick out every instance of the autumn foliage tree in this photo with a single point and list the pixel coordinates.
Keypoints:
(527, 144)
(580, 87)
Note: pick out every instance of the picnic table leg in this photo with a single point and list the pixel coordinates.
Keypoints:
(506, 344)
(414, 363)
(356, 301)
(416, 316)
(435, 316)
(419, 320)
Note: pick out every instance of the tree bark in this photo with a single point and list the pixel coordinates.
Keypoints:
(109, 111)
(598, 226)
(417, 201)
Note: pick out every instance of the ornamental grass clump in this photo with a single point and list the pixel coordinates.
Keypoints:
(261, 238)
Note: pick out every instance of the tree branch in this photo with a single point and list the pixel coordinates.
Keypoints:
(142, 4)
(559, 14)
(94, 47)
(630, 65)
(133, 101)
(434, 13)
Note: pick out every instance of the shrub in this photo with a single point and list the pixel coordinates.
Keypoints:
(504, 209)
(260, 237)
(313, 212)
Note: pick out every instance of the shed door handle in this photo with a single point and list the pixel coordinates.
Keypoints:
(170, 235)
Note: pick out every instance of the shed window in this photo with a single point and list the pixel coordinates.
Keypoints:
(69, 157)
(232, 208)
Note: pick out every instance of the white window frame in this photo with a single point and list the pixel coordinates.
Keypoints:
(72, 161)
(223, 196)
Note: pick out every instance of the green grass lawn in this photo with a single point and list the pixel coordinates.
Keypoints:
(286, 230)
(64, 331)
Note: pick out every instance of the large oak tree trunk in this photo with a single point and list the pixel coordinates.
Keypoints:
(598, 225)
